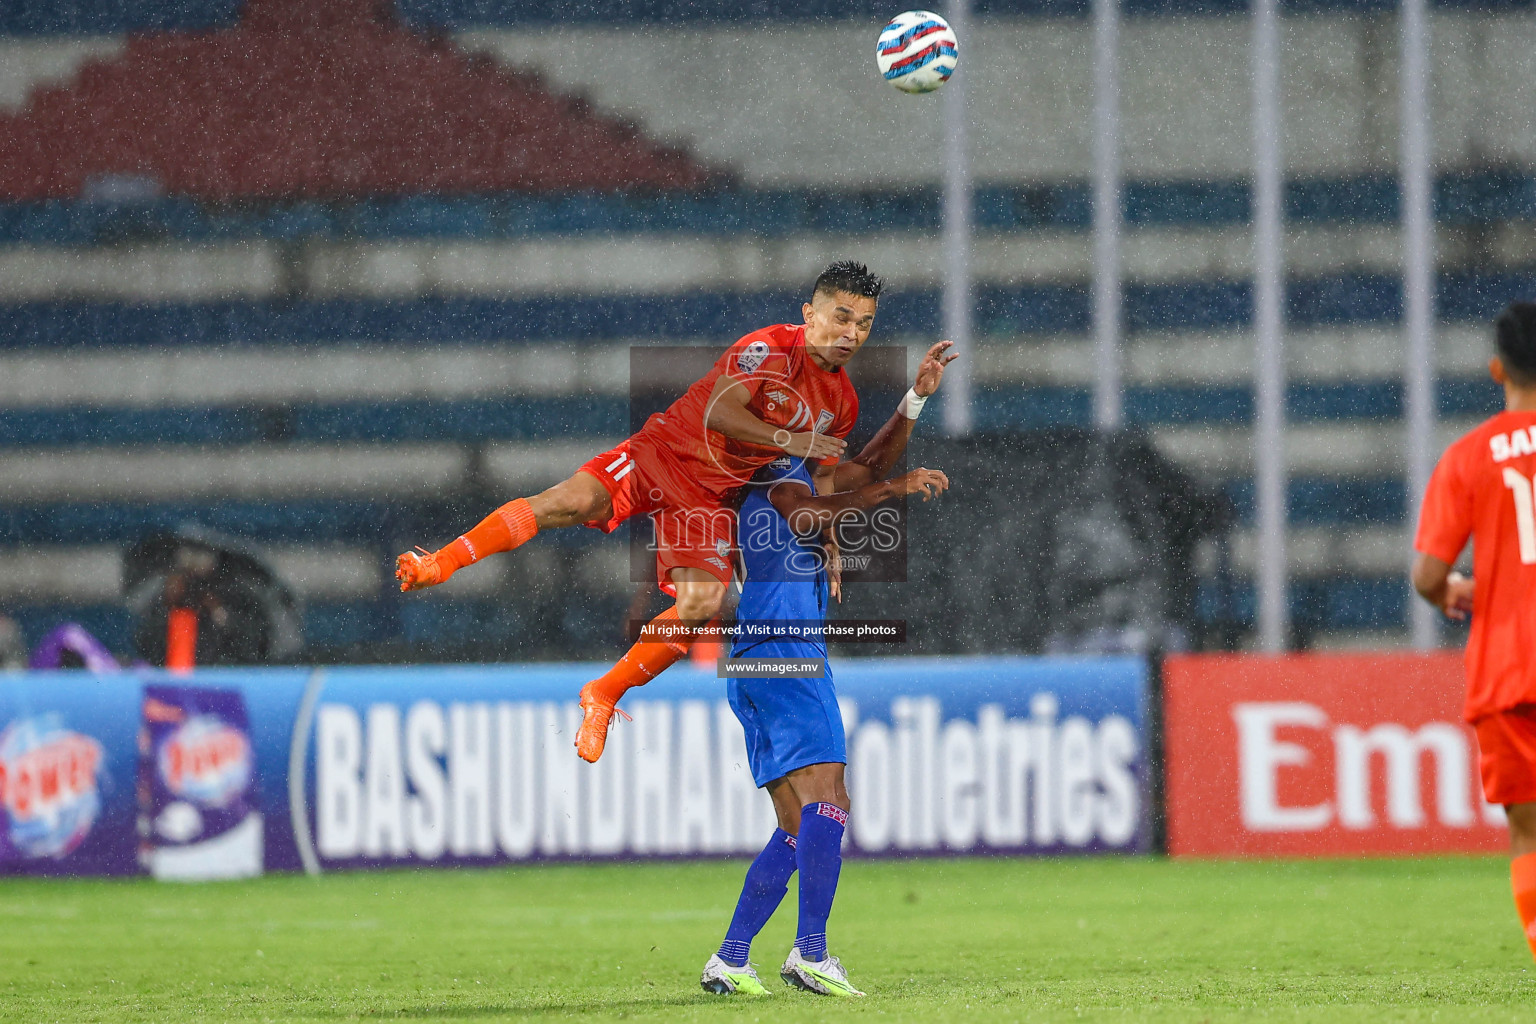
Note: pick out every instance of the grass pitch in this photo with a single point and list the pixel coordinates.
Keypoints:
(1104, 939)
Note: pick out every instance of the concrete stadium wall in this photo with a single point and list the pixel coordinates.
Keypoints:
(791, 107)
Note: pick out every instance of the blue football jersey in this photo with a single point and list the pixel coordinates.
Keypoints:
(786, 576)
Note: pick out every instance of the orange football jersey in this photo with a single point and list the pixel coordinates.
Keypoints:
(788, 390)
(1484, 488)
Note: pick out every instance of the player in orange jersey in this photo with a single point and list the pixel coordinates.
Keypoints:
(780, 390)
(1482, 489)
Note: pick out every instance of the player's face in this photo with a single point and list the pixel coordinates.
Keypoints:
(836, 326)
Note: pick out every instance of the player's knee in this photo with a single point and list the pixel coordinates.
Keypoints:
(1522, 825)
(696, 605)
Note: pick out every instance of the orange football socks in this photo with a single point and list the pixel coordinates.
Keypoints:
(644, 661)
(1522, 874)
(506, 528)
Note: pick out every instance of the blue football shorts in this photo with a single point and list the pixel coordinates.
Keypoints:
(789, 723)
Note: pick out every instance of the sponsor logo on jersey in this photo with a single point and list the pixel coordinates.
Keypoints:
(718, 563)
(778, 396)
(206, 760)
(751, 357)
(48, 786)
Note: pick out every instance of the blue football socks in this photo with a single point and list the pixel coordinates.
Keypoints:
(767, 882)
(820, 859)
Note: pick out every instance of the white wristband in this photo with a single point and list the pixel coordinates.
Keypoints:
(911, 404)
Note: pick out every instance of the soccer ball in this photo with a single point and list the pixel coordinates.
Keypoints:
(917, 51)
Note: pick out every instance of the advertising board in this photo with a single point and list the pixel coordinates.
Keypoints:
(954, 755)
(367, 767)
(1322, 755)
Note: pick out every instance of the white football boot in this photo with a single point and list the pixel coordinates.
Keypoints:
(825, 977)
(722, 979)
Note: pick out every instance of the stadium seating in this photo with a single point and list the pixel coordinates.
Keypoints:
(98, 16)
(304, 100)
(337, 352)
(1460, 199)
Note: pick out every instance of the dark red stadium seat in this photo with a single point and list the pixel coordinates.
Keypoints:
(326, 99)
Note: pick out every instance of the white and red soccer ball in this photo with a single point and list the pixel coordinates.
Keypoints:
(917, 51)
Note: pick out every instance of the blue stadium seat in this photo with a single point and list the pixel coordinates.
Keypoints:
(1334, 603)
(345, 623)
(95, 17)
(109, 623)
(605, 416)
(1330, 501)
(435, 626)
(92, 426)
(1464, 198)
(1023, 408)
(328, 520)
(92, 17)
(1000, 310)
(527, 418)
(115, 522)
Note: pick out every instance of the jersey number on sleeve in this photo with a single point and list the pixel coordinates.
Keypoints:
(1525, 512)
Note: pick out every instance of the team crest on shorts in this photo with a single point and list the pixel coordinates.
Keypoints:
(751, 357)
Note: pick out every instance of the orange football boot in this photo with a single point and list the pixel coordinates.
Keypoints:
(418, 570)
(596, 713)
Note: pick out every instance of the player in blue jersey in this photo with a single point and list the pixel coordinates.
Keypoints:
(794, 729)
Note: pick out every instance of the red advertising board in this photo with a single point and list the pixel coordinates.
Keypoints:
(1322, 755)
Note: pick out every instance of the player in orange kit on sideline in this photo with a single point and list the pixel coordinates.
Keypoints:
(779, 390)
(1482, 489)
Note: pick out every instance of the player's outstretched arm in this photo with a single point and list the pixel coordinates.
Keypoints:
(729, 415)
(878, 457)
(1442, 587)
(808, 514)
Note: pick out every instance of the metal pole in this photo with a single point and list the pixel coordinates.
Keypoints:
(1418, 280)
(1269, 376)
(959, 419)
(1108, 404)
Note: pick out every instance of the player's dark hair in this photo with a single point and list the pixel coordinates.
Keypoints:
(1514, 335)
(849, 277)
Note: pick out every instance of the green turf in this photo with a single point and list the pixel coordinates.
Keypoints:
(1109, 939)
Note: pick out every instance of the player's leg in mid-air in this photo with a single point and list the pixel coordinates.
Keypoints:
(603, 493)
(699, 596)
(581, 498)
(694, 536)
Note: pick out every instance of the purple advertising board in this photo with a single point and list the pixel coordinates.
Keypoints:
(197, 767)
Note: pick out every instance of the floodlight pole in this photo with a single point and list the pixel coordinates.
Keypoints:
(1268, 295)
(959, 418)
(1418, 283)
(1108, 316)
